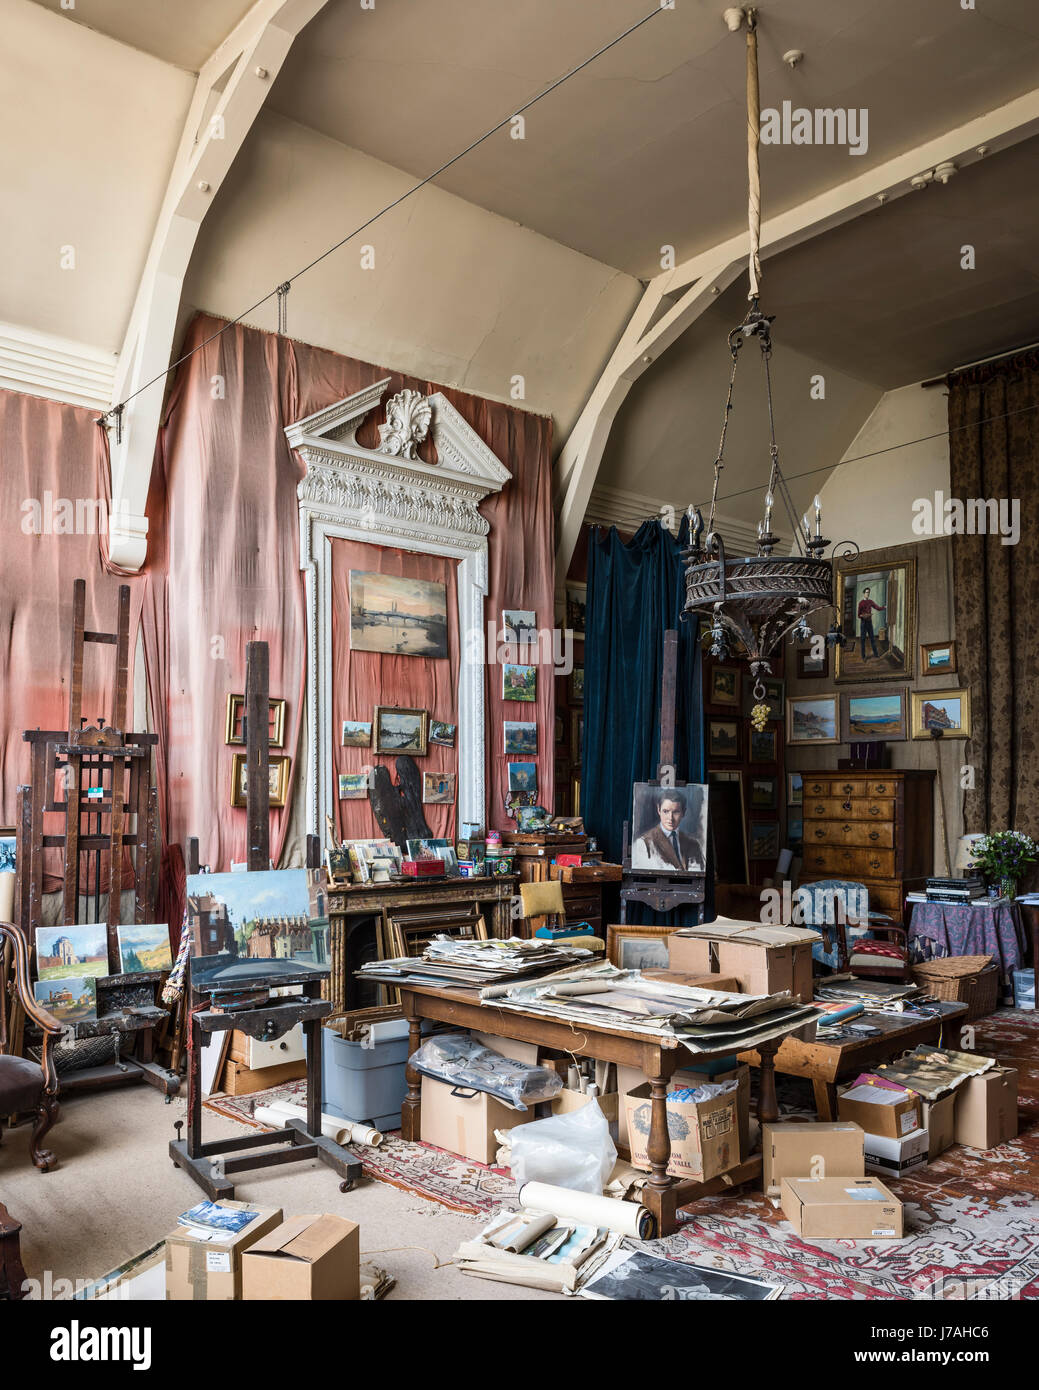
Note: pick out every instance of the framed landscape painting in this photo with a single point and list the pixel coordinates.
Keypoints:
(403, 617)
(948, 710)
(401, 730)
(521, 737)
(725, 686)
(71, 952)
(519, 682)
(811, 719)
(873, 718)
(937, 658)
(723, 739)
(876, 607)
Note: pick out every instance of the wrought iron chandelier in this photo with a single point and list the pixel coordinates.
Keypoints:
(752, 603)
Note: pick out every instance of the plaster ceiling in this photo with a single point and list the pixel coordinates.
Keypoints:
(646, 146)
(181, 32)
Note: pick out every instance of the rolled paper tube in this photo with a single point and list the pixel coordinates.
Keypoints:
(628, 1218)
(334, 1127)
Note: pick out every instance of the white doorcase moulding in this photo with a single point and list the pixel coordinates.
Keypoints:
(387, 496)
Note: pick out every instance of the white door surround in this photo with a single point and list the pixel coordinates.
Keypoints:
(388, 496)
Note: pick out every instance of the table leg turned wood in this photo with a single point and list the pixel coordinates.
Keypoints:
(411, 1110)
(768, 1105)
(659, 1147)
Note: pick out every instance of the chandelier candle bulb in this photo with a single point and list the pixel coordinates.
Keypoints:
(818, 517)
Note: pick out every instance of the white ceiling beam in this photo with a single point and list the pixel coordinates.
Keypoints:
(229, 95)
(716, 268)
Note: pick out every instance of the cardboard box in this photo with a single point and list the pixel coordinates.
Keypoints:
(704, 1138)
(765, 960)
(631, 1078)
(892, 1158)
(881, 1111)
(739, 1073)
(986, 1109)
(463, 1121)
(939, 1118)
(510, 1047)
(842, 1208)
(309, 1258)
(805, 1149)
(199, 1268)
(568, 1101)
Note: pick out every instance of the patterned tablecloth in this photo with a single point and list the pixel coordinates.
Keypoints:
(946, 929)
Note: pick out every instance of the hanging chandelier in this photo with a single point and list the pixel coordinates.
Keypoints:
(751, 604)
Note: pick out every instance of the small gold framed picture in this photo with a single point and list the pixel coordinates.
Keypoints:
(637, 947)
(948, 710)
(280, 764)
(937, 658)
(234, 721)
(401, 730)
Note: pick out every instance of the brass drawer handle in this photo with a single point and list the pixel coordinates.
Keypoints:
(880, 787)
(820, 834)
(819, 859)
(848, 787)
(874, 810)
(820, 810)
(845, 828)
(874, 834)
(874, 863)
(845, 805)
(819, 787)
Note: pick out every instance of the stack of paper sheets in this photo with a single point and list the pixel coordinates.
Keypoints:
(449, 960)
(701, 1020)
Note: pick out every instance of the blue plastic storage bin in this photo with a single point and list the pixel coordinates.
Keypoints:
(365, 1083)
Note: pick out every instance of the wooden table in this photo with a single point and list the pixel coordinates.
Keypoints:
(827, 1063)
(658, 1058)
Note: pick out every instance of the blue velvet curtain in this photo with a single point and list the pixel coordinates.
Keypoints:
(635, 593)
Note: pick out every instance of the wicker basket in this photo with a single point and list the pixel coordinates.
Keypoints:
(970, 980)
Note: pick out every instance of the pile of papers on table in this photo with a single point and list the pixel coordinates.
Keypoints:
(702, 1020)
(450, 960)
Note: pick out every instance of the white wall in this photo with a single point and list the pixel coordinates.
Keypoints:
(871, 501)
(458, 295)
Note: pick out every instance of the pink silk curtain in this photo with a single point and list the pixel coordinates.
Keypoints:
(360, 680)
(53, 456)
(224, 569)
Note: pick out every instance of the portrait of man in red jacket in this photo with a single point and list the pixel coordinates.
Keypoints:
(866, 609)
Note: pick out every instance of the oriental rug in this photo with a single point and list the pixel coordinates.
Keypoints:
(972, 1217)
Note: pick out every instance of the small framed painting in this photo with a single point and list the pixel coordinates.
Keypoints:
(401, 730)
(947, 710)
(72, 999)
(353, 786)
(519, 625)
(519, 682)
(811, 719)
(762, 745)
(813, 665)
(441, 733)
(560, 739)
(794, 789)
(575, 686)
(764, 793)
(523, 777)
(723, 739)
(937, 658)
(725, 686)
(637, 948)
(357, 733)
(576, 604)
(873, 718)
(79, 950)
(234, 721)
(278, 772)
(521, 737)
(764, 839)
(144, 946)
(438, 788)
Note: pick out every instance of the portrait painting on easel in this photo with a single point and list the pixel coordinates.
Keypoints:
(669, 828)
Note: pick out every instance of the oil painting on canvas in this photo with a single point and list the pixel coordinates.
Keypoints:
(404, 617)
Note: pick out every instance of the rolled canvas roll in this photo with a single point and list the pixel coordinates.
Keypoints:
(332, 1126)
(628, 1218)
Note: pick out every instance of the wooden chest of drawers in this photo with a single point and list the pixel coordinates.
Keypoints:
(874, 828)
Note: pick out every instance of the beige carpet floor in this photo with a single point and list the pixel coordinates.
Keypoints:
(115, 1192)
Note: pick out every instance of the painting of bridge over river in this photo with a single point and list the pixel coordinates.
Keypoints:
(404, 617)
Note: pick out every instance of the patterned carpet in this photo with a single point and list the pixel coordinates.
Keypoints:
(972, 1218)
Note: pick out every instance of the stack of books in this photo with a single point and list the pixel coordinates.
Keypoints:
(954, 890)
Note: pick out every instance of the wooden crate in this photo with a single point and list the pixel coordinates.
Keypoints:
(240, 1080)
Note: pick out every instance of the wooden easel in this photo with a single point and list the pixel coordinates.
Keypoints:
(99, 779)
(662, 892)
(209, 1164)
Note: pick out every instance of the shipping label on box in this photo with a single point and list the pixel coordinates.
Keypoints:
(891, 1158)
(810, 1149)
(881, 1111)
(704, 1136)
(986, 1109)
(307, 1258)
(842, 1208)
(205, 1265)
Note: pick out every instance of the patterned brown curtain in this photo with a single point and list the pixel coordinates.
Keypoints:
(994, 448)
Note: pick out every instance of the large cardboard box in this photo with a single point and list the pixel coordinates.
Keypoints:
(722, 1069)
(880, 1110)
(764, 959)
(309, 1258)
(939, 1118)
(202, 1267)
(810, 1148)
(893, 1158)
(705, 1137)
(568, 1101)
(463, 1121)
(739, 1073)
(986, 1109)
(842, 1208)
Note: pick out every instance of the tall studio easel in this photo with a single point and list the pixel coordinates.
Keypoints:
(211, 1164)
(662, 892)
(98, 779)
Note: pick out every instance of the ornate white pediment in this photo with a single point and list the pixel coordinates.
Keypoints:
(390, 496)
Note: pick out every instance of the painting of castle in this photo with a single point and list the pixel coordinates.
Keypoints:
(71, 951)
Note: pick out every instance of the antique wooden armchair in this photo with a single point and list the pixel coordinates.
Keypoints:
(26, 1085)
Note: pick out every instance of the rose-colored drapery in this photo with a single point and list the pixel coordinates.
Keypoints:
(224, 569)
(51, 510)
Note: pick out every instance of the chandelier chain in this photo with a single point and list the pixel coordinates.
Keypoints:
(753, 160)
(734, 349)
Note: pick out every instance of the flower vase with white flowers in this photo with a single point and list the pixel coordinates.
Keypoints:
(1003, 857)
